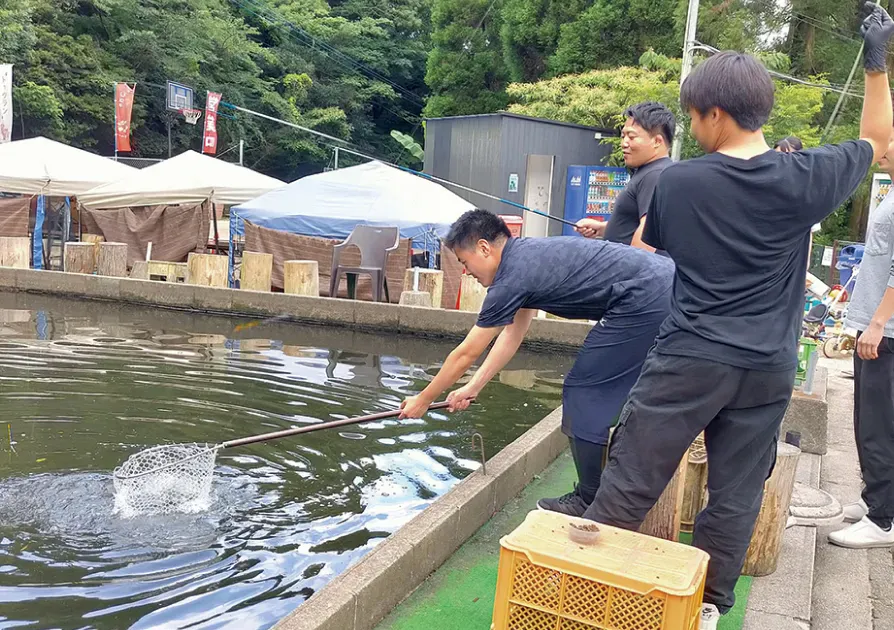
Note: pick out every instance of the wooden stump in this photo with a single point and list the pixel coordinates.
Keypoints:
(695, 491)
(140, 270)
(302, 277)
(80, 258)
(15, 251)
(257, 271)
(112, 260)
(472, 294)
(416, 298)
(167, 271)
(430, 280)
(663, 520)
(96, 239)
(766, 542)
(207, 270)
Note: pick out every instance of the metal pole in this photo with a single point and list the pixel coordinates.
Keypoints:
(115, 105)
(169, 137)
(241, 151)
(336, 158)
(688, 41)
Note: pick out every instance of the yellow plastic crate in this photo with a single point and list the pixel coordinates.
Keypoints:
(625, 581)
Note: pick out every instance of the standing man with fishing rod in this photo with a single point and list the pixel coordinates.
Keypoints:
(645, 140)
(736, 223)
(626, 290)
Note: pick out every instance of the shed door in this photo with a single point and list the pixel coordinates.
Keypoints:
(538, 188)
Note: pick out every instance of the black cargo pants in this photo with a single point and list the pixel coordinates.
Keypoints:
(675, 399)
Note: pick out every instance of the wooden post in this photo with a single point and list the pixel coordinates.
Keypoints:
(430, 280)
(15, 251)
(206, 270)
(766, 541)
(112, 260)
(416, 298)
(663, 520)
(695, 492)
(140, 270)
(80, 258)
(257, 271)
(472, 294)
(167, 271)
(302, 277)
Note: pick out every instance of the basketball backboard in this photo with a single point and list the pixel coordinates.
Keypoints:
(179, 96)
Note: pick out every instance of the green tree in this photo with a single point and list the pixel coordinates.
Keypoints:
(466, 73)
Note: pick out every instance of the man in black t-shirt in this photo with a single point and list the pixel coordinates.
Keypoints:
(645, 140)
(736, 223)
(627, 291)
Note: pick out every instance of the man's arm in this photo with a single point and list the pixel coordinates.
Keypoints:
(875, 124)
(504, 349)
(457, 363)
(638, 236)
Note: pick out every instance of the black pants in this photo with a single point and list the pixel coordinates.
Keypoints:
(874, 429)
(588, 460)
(675, 399)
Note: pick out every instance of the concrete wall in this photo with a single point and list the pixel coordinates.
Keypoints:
(354, 314)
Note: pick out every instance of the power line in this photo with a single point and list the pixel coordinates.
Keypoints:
(823, 26)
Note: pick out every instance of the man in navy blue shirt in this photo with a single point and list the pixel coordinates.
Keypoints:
(626, 290)
(737, 224)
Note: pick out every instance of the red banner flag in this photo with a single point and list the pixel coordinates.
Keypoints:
(123, 107)
(209, 139)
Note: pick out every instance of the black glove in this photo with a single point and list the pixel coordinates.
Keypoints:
(876, 30)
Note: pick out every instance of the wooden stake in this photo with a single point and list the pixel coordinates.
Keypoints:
(257, 271)
(302, 277)
(112, 260)
(663, 520)
(430, 281)
(207, 270)
(80, 258)
(766, 541)
(695, 491)
(140, 270)
(15, 251)
(472, 294)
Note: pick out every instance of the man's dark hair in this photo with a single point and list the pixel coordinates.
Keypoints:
(789, 144)
(654, 118)
(736, 83)
(475, 225)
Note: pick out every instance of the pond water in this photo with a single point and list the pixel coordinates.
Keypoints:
(85, 384)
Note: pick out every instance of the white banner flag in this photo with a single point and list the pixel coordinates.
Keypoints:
(5, 102)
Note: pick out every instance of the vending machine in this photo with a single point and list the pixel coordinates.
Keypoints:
(590, 191)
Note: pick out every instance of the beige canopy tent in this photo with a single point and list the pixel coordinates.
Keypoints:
(170, 205)
(187, 179)
(40, 166)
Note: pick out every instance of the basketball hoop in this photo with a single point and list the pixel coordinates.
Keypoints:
(191, 115)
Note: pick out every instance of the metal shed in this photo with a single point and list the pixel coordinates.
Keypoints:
(516, 157)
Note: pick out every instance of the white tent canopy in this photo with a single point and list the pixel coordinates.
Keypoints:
(189, 178)
(331, 204)
(39, 166)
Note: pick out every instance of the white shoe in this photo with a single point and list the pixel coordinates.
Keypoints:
(863, 535)
(855, 512)
(710, 617)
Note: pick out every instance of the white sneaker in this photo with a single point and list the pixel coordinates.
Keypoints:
(855, 512)
(710, 617)
(863, 535)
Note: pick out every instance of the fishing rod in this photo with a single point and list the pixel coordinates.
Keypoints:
(514, 204)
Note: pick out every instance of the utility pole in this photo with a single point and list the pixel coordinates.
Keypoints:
(688, 42)
(336, 158)
(241, 149)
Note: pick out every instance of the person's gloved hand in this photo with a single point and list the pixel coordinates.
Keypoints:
(876, 30)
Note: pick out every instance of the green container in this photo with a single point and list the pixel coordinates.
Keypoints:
(805, 349)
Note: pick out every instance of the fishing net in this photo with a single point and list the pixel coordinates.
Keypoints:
(165, 479)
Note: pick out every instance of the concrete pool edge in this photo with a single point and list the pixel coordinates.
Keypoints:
(355, 314)
(364, 594)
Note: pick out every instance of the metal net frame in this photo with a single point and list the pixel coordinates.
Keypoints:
(165, 479)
